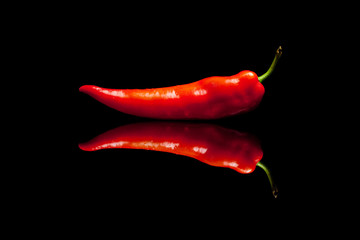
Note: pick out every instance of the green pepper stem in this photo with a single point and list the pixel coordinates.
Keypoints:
(274, 189)
(272, 66)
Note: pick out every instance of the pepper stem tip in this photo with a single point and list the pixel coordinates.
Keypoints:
(274, 188)
(273, 64)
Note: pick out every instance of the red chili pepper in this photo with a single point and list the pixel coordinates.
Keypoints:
(209, 98)
(208, 143)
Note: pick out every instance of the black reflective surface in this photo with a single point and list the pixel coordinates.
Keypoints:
(275, 122)
(286, 121)
(301, 123)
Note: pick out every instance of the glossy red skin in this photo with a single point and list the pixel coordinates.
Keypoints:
(207, 143)
(209, 98)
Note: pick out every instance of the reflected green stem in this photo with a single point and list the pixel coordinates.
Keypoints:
(274, 189)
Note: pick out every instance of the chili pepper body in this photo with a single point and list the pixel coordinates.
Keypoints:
(208, 143)
(210, 98)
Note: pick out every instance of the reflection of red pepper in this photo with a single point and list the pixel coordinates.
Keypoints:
(209, 98)
(207, 143)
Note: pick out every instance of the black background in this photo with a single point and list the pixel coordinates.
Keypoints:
(153, 56)
(147, 50)
(301, 122)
